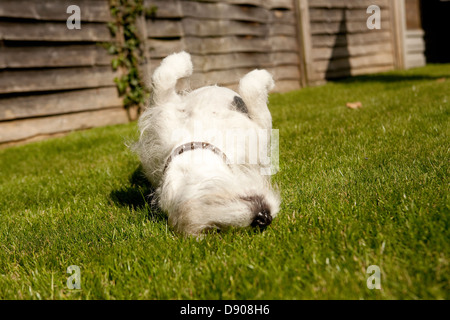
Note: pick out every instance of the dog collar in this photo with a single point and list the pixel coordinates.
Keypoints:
(192, 146)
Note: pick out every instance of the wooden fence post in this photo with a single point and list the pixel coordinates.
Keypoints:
(304, 39)
(398, 31)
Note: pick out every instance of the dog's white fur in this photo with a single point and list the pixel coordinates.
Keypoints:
(199, 190)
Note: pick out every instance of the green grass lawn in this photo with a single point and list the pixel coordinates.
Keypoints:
(359, 188)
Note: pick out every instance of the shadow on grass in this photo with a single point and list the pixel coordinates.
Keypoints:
(391, 78)
(138, 196)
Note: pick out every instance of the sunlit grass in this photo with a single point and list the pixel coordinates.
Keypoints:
(359, 188)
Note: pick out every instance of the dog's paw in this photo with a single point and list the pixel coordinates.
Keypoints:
(180, 63)
(256, 85)
(173, 67)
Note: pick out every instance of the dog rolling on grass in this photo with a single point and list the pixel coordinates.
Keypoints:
(203, 178)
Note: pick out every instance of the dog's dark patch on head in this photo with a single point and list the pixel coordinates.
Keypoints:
(240, 105)
(257, 204)
(260, 209)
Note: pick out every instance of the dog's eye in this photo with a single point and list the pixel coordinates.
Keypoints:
(239, 104)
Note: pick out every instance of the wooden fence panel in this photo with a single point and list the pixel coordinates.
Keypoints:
(243, 59)
(341, 42)
(54, 10)
(347, 4)
(53, 32)
(226, 39)
(53, 56)
(215, 28)
(414, 48)
(32, 127)
(54, 79)
(353, 15)
(40, 105)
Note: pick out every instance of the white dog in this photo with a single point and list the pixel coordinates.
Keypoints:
(204, 181)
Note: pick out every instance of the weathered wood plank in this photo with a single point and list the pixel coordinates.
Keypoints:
(282, 16)
(173, 9)
(259, 3)
(222, 78)
(56, 79)
(284, 72)
(414, 60)
(27, 128)
(223, 11)
(158, 28)
(226, 44)
(415, 33)
(240, 44)
(339, 14)
(55, 10)
(412, 14)
(253, 60)
(348, 27)
(268, 4)
(276, 4)
(53, 31)
(220, 11)
(414, 48)
(165, 8)
(58, 103)
(54, 56)
(351, 63)
(350, 39)
(162, 48)
(276, 29)
(370, 69)
(243, 59)
(231, 76)
(350, 4)
(414, 45)
(209, 27)
(327, 53)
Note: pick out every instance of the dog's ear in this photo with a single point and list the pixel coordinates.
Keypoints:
(254, 88)
(165, 77)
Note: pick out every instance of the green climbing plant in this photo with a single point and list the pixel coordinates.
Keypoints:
(128, 49)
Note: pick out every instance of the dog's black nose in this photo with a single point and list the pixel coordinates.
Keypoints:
(262, 219)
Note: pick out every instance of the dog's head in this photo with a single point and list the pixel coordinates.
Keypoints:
(202, 192)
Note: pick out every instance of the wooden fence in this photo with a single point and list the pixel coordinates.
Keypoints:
(227, 39)
(414, 35)
(55, 80)
(338, 43)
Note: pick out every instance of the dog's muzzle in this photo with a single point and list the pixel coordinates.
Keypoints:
(261, 211)
(262, 219)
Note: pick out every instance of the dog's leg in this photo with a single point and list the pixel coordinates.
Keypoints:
(160, 119)
(254, 88)
(165, 77)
